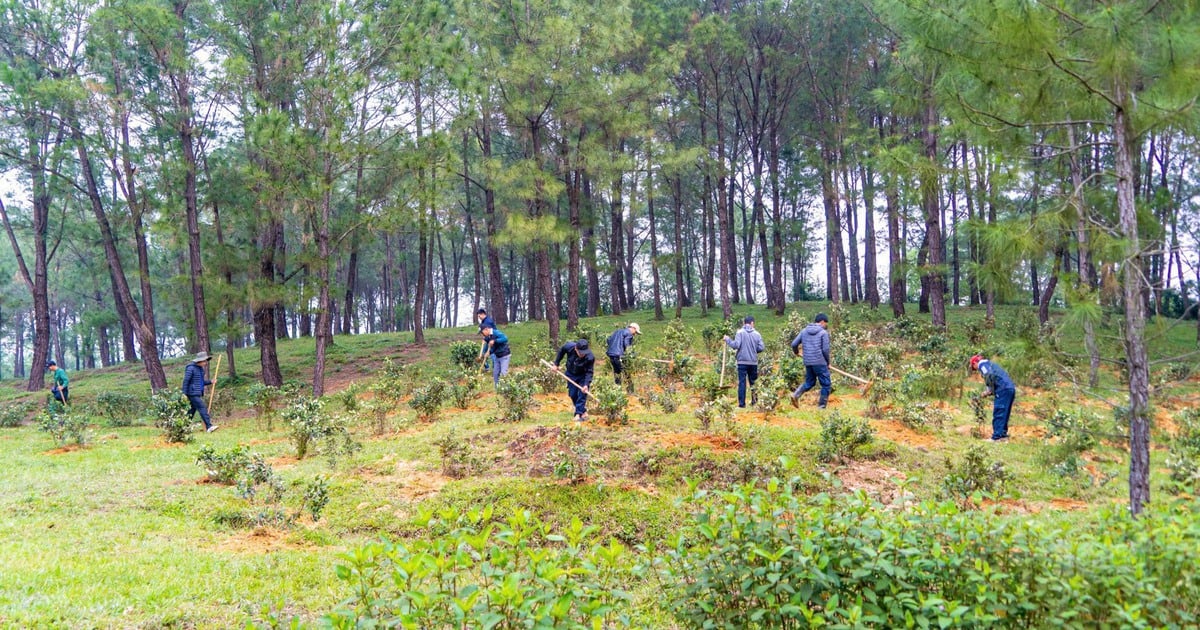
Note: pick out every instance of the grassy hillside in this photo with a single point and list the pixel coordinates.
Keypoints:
(129, 530)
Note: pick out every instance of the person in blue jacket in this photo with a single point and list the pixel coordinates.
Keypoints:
(813, 343)
(496, 346)
(581, 366)
(618, 343)
(194, 383)
(999, 385)
(748, 343)
(484, 320)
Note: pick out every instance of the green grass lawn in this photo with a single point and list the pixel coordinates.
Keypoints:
(126, 532)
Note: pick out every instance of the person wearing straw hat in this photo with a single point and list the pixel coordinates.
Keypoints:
(618, 343)
(194, 383)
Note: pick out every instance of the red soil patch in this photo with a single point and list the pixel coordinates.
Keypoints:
(1026, 431)
(411, 482)
(720, 443)
(283, 460)
(878, 481)
(70, 448)
(258, 541)
(1068, 504)
(1164, 420)
(158, 444)
(899, 433)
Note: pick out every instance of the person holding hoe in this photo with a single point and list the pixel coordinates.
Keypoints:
(58, 382)
(813, 343)
(485, 321)
(581, 365)
(748, 343)
(194, 383)
(495, 345)
(1004, 392)
(618, 343)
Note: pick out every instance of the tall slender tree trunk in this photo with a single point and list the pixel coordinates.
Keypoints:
(677, 243)
(616, 248)
(498, 306)
(870, 265)
(833, 229)
(574, 199)
(930, 205)
(658, 309)
(589, 251)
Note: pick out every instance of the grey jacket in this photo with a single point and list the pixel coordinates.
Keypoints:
(619, 342)
(748, 344)
(815, 341)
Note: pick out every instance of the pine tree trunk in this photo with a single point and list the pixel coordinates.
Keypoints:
(930, 204)
(870, 266)
(897, 291)
(658, 309)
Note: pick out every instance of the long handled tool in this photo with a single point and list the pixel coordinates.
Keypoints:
(551, 366)
(856, 378)
(213, 394)
(670, 362)
(724, 350)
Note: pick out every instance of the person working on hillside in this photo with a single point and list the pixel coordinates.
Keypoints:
(618, 343)
(194, 383)
(813, 343)
(59, 383)
(748, 343)
(581, 364)
(483, 319)
(495, 345)
(999, 385)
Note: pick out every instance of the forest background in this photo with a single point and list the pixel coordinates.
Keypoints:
(187, 176)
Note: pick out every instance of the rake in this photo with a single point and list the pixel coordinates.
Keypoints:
(848, 375)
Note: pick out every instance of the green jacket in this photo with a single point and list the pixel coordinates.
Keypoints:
(60, 379)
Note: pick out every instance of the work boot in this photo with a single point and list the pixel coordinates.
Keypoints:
(795, 401)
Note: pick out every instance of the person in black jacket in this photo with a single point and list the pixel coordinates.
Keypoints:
(618, 343)
(193, 387)
(581, 364)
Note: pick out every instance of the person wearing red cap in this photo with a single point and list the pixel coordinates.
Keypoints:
(999, 385)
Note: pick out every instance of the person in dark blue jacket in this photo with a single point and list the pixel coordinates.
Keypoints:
(581, 365)
(618, 343)
(496, 346)
(1000, 385)
(194, 383)
(484, 320)
(813, 344)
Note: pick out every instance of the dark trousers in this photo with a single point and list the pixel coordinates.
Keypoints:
(746, 373)
(615, 361)
(198, 404)
(814, 374)
(62, 394)
(578, 398)
(1001, 410)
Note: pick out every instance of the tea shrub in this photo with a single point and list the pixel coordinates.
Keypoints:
(229, 466)
(465, 354)
(263, 398)
(719, 410)
(483, 572)
(316, 497)
(311, 425)
(427, 400)
(974, 477)
(668, 399)
(677, 338)
(66, 427)
(744, 563)
(540, 349)
(463, 391)
(169, 409)
(12, 415)
(841, 435)
(119, 409)
(766, 394)
(925, 384)
(594, 334)
(1076, 436)
(457, 459)
(349, 398)
(515, 396)
(714, 332)
(611, 402)
(572, 460)
(255, 473)
(921, 416)
(708, 384)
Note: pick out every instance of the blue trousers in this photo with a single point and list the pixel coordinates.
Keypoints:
(746, 373)
(198, 404)
(578, 398)
(499, 368)
(1001, 409)
(814, 374)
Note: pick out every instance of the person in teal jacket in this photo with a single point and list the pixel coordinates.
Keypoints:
(59, 383)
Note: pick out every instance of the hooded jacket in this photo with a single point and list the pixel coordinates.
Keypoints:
(748, 344)
(814, 340)
(193, 380)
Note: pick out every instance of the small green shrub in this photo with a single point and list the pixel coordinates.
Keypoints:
(477, 571)
(841, 436)
(714, 332)
(316, 497)
(921, 416)
(66, 427)
(611, 402)
(708, 384)
(515, 396)
(462, 392)
(119, 409)
(229, 466)
(257, 473)
(349, 398)
(766, 394)
(1075, 433)
(465, 354)
(572, 460)
(540, 349)
(12, 415)
(169, 411)
(925, 384)
(719, 410)
(668, 399)
(974, 477)
(427, 400)
(677, 338)
(263, 398)
(457, 459)
(312, 425)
